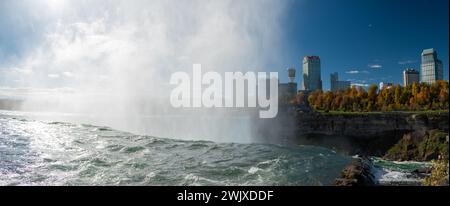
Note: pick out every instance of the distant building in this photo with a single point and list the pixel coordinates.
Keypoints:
(384, 85)
(431, 68)
(337, 85)
(291, 74)
(311, 73)
(410, 76)
(288, 90)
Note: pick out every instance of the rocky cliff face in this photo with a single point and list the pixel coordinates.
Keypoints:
(367, 134)
(362, 133)
(369, 125)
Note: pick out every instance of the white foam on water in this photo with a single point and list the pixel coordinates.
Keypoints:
(385, 177)
(253, 170)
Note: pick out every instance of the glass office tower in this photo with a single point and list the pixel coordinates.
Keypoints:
(431, 68)
(311, 73)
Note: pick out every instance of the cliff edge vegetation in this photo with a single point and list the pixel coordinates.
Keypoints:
(420, 146)
(439, 173)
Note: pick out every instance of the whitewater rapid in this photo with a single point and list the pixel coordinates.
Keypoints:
(36, 152)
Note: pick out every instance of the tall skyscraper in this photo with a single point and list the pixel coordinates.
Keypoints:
(410, 76)
(431, 68)
(336, 84)
(311, 73)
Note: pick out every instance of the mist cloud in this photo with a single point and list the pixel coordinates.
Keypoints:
(116, 56)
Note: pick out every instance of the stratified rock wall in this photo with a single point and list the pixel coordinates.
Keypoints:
(353, 133)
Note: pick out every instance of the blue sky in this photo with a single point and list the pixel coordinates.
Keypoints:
(365, 41)
(354, 36)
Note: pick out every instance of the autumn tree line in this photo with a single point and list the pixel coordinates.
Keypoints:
(418, 96)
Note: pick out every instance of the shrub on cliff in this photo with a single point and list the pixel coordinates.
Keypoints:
(439, 173)
(434, 144)
(419, 146)
(406, 148)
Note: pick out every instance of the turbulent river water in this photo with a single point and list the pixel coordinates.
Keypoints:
(41, 152)
(34, 152)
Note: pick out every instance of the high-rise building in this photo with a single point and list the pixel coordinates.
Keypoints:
(431, 68)
(311, 73)
(337, 85)
(410, 76)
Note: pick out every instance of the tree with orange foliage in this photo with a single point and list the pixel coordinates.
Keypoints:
(413, 97)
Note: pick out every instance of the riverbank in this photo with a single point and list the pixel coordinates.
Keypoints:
(401, 145)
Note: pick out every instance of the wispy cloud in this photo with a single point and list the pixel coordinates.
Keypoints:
(352, 72)
(357, 72)
(360, 85)
(375, 66)
(407, 62)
